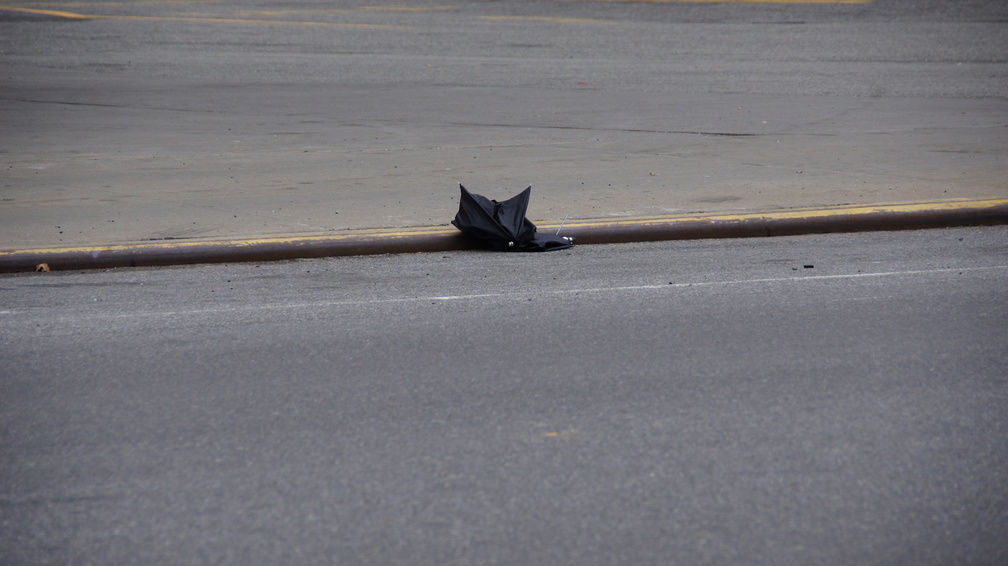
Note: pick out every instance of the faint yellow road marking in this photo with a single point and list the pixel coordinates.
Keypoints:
(218, 20)
(138, 3)
(542, 19)
(194, 18)
(56, 13)
(47, 7)
(743, 1)
(564, 434)
(357, 10)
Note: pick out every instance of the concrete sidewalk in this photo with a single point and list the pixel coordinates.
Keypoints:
(180, 167)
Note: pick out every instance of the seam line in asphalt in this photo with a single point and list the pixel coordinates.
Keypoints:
(840, 218)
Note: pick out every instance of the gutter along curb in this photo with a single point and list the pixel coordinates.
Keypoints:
(848, 218)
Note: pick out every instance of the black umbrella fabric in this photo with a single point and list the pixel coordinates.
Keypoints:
(502, 225)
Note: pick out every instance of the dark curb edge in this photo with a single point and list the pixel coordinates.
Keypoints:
(853, 218)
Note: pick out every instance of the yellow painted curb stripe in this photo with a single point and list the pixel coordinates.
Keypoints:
(240, 243)
(841, 210)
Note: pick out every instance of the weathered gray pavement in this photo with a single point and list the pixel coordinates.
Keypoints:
(699, 403)
(219, 122)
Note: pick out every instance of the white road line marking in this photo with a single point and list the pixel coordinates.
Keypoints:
(555, 292)
(806, 278)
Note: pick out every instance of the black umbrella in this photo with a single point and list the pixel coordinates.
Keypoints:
(502, 225)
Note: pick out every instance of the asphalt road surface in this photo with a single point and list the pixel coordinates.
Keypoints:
(803, 400)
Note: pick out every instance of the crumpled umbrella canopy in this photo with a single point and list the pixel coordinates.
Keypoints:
(502, 225)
